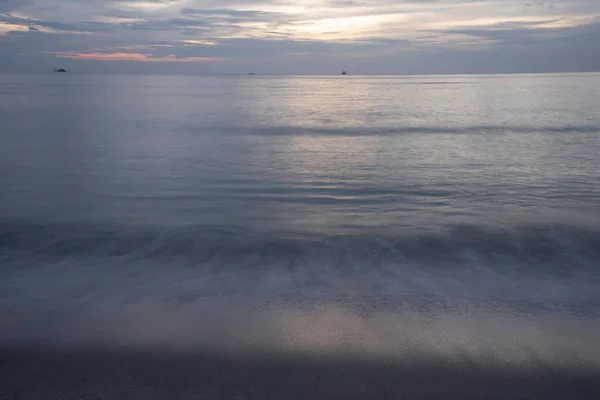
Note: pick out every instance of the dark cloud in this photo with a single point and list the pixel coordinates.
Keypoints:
(539, 4)
(34, 24)
(530, 35)
(245, 15)
(347, 3)
(228, 17)
(13, 5)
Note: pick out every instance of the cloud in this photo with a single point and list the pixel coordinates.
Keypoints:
(129, 57)
(13, 5)
(308, 36)
(240, 15)
(534, 34)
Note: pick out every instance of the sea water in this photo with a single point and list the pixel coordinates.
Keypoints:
(419, 214)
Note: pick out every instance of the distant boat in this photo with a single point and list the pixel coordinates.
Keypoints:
(344, 73)
(60, 70)
(251, 73)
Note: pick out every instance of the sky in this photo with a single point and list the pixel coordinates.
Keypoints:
(301, 36)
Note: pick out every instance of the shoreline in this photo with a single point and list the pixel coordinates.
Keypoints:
(38, 372)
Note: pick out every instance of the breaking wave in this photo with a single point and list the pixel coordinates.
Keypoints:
(532, 269)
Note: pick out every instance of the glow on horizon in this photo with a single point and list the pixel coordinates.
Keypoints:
(313, 21)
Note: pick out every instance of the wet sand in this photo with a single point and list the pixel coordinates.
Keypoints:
(53, 373)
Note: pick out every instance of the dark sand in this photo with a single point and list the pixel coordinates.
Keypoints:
(34, 373)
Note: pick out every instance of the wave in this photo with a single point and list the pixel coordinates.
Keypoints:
(526, 269)
(527, 245)
(400, 130)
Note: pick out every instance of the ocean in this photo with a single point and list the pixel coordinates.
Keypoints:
(442, 218)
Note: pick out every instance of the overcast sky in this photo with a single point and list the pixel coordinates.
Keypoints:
(301, 36)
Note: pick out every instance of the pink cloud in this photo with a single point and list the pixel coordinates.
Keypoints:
(129, 57)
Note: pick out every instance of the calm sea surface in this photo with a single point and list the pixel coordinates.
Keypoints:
(436, 195)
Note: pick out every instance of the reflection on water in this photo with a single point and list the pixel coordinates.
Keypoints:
(359, 152)
(498, 341)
